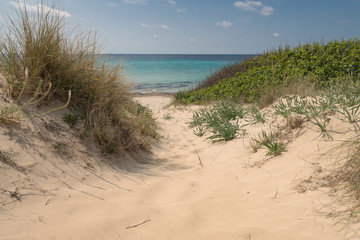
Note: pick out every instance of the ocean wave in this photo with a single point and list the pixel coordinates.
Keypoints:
(171, 87)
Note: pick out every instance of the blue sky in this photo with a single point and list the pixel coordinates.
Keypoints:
(209, 26)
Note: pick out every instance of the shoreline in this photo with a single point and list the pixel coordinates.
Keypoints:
(152, 94)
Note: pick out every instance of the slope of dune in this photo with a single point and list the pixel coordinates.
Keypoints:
(56, 186)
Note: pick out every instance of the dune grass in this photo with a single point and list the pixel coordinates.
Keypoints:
(64, 64)
(10, 115)
(220, 120)
(270, 141)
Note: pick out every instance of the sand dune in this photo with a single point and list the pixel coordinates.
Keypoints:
(188, 188)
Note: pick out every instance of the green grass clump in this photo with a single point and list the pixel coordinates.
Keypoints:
(316, 64)
(65, 66)
(199, 131)
(9, 115)
(220, 120)
(255, 115)
(70, 118)
(274, 147)
(229, 110)
(283, 109)
(224, 131)
(167, 116)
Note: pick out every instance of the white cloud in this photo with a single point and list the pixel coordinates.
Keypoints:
(255, 6)
(192, 40)
(152, 36)
(224, 24)
(40, 7)
(344, 21)
(172, 2)
(276, 34)
(145, 25)
(111, 4)
(166, 27)
(136, 2)
(180, 10)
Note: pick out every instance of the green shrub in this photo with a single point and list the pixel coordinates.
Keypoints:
(317, 64)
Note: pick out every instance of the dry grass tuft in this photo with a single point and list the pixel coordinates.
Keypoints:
(298, 88)
(59, 63)
(294, 122)
(347, 174)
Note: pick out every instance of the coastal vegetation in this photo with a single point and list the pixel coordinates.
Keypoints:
(42, 60)
(311, 85)
(313, 65)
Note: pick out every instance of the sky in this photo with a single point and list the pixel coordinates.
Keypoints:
(207, 26)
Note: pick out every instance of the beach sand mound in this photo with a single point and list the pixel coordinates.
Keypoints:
(55, 185)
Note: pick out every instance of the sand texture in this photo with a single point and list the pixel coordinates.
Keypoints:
(55, 185)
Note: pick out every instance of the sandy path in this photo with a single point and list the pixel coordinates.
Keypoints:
(225, 198)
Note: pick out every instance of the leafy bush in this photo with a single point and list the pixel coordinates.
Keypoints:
(315, 63)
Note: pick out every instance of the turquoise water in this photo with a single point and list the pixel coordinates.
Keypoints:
(169, 73)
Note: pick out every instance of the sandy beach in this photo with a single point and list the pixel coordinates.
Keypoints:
(179, 120)
(56, 186)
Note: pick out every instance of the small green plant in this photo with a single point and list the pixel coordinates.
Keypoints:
(299, 106)
(199, 131)
(326, 105)
(282, 109)
(255, 116)
(167, 116)
(224, 131)
(70, 118)
(143, 110)
(198, 118)
(322, 125)
(274, 147)
(254, 145)
(313, 110)
(9, 115)
(229, 110)
(352, 115)
(219, 120)
(111, 148)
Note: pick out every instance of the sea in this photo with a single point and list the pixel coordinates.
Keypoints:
(169, 73)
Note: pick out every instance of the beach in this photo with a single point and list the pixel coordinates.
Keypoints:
(194, 122)
(187, 188)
